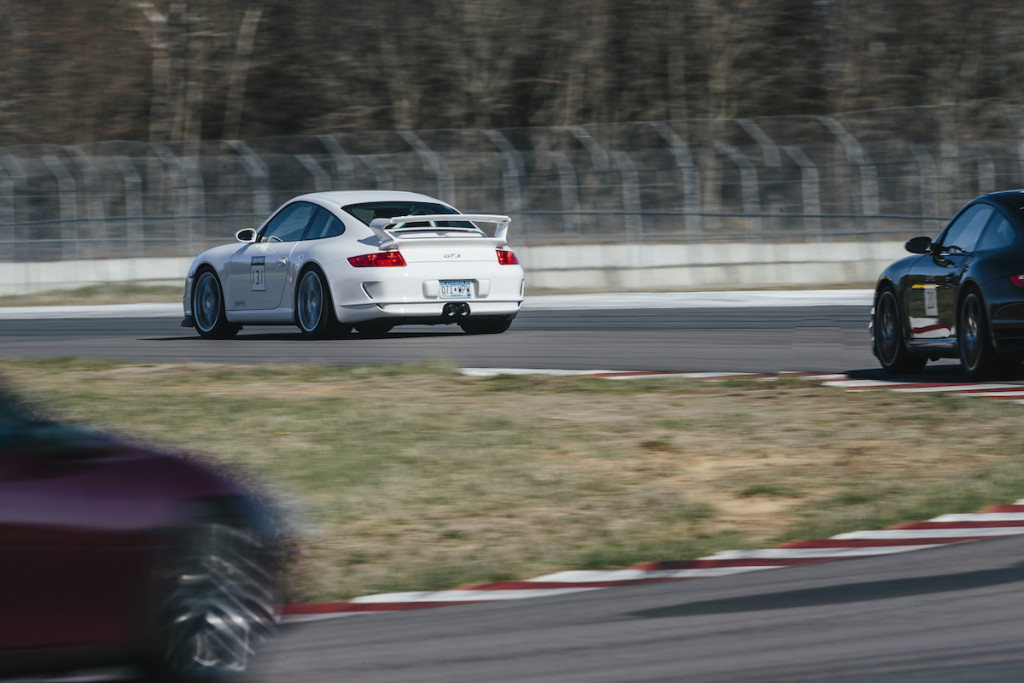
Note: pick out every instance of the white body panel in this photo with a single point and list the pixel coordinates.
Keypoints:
(259, 278)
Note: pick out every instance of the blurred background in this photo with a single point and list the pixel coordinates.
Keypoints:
(155, 129)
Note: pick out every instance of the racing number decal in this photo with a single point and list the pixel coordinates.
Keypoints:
(257, 274)
(931, 301)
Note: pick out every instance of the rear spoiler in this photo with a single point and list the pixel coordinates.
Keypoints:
(389, 230)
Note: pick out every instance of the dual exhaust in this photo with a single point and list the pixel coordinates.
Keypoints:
(455, 310)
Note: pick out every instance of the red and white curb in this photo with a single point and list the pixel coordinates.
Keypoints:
(993, 390)
(1003, 520)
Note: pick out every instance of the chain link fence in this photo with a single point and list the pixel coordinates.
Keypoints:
(856, 177)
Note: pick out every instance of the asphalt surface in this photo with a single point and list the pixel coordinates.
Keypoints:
(946, 615)
(942, 616)
(822, 338)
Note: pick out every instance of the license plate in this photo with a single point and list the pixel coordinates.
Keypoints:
(456, 289)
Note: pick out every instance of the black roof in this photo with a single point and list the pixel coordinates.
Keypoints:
(1012, 200)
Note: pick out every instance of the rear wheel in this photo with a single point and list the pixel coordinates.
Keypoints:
(208, 308)
(314, 309)
(889, 342)
(217, 605)
(977, 355)
(486, 325)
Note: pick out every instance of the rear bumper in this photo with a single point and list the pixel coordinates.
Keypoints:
(424, 313)
(414, 292)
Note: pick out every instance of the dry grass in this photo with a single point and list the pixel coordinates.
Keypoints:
(109, 293)
(416, 477)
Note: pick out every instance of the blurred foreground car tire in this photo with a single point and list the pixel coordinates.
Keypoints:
(215, 604)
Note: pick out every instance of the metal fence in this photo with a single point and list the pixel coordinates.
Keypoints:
(857, 177)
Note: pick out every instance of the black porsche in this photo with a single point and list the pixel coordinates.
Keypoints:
(960, 295)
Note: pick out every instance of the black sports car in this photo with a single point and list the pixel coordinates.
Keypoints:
(959, 296)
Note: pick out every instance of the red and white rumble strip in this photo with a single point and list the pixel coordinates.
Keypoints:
(1004, 520)
(993, 390)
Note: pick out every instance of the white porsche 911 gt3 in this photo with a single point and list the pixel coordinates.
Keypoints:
(331, 261)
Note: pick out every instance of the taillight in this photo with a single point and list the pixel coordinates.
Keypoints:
(378, 259)
(1017, 281)
(508, 258)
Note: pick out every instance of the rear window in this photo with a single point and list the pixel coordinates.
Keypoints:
(370, 211)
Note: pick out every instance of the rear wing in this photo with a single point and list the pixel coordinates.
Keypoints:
(390, 230)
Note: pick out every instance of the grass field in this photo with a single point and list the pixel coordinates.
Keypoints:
(111, 293)
(416, 477)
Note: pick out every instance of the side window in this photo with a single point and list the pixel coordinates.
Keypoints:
(289, 224)
(324, 224)
(998, 235)
(963, 233)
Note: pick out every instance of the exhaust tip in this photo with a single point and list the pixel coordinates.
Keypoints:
(455, 310)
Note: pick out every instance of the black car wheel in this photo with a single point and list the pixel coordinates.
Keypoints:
(217, 604)
(208, 308)
(977, 355)
(888, 332)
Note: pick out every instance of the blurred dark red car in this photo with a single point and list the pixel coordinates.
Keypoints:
(112, 552)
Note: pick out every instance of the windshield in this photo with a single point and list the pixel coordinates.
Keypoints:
(370, 211)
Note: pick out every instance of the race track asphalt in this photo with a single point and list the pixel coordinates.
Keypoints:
(750, 332)
(946, 615)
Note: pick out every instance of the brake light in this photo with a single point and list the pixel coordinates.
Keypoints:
(508, 258)
(378, 259)
(1017, 281)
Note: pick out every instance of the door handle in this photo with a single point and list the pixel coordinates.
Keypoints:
(282, 261)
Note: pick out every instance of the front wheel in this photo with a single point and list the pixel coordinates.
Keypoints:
(888, 332)
(208, 308)
(977, 355)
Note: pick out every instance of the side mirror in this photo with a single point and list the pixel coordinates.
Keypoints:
(919, 245)
(245, 235)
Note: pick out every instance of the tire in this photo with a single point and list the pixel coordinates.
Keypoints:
(314, 308)
(977, 354)
(208, 308)
(486, 325)
(216, 604)
(888, 337)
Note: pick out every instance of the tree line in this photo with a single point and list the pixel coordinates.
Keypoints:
(160, 70)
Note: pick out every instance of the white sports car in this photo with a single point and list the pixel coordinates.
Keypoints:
(331, 261)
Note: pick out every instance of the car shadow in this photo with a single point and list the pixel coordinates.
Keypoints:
(841, 594)
(296, 336)
(946, 373)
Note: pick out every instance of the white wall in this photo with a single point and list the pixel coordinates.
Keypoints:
(610, 267)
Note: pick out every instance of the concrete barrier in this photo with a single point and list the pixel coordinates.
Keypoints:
(33, 277)
(640, 267)
(605, 267)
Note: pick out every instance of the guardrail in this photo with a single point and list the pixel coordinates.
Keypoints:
(863, 177)
(802, 178)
